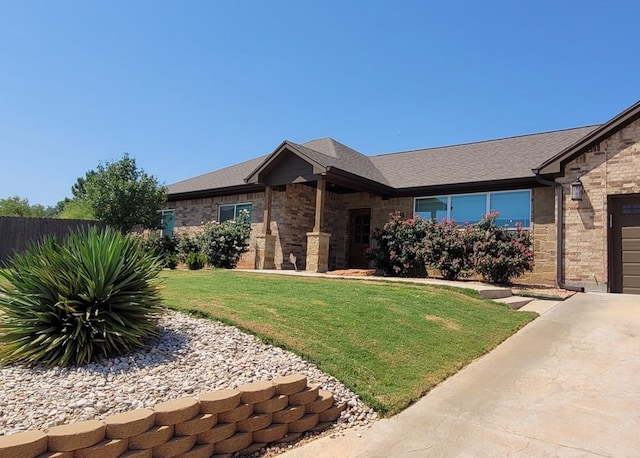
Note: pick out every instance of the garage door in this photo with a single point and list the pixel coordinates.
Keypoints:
(625, 247)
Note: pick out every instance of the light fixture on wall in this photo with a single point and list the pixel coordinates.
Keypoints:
(577, 190)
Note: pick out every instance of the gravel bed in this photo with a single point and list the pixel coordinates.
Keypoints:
(190, 356)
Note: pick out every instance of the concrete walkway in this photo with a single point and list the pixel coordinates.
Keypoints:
(568, 384)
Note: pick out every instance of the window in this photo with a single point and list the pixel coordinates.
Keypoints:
(229, 212)
(513, 206)
(167, 222)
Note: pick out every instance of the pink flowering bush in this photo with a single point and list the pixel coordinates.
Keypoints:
(404, 246)
(397, 246)
(447, 247)
(500, 255)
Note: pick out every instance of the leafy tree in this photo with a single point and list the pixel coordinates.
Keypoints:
(122, 195)
(76, 209)
(16, 206)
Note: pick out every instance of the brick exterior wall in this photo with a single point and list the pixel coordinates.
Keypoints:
(191, 214)
(543, 229)
(613, 170)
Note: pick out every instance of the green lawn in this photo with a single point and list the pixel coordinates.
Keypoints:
(388, 342)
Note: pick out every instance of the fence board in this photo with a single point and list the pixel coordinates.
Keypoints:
(16, 232)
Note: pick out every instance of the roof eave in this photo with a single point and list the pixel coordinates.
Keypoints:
(469, 187)
(214, 192)
(554, 165)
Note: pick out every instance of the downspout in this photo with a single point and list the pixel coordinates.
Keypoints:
(559, 232)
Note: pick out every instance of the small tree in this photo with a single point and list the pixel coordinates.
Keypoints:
(122, 195)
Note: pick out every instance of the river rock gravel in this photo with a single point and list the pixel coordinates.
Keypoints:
(190, 356)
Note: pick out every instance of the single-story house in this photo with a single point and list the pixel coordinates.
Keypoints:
(577, 191)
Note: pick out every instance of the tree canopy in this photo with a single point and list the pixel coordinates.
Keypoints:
(122, 195)
(17, 206)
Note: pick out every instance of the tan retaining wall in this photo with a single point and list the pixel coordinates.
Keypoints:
(219, 422)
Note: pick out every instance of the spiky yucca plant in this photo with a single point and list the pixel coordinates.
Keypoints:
(94, 294)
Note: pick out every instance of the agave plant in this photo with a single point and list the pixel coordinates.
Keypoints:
(94, 294)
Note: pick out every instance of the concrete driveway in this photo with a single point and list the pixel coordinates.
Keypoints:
(568, 385)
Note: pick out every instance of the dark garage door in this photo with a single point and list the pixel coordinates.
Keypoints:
(625, 246)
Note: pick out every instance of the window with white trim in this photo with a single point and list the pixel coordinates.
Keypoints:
(232, 211)
(167, 222)
(514, 207)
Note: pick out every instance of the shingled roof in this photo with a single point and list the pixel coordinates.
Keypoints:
(486, 161)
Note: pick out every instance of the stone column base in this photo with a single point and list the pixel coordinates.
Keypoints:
(317, 251)
(265, 251)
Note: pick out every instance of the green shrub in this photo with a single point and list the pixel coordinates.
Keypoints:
(94, 294)
(185, 245)
(499, 254)
(196, 261)
(447, 247)
(397, 248)
(164, 247)
(224, 243)
(171, 261)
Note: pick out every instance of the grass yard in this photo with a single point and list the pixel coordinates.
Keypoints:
(388, 342)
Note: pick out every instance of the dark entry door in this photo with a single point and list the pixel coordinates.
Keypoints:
(625, 244)
(359, 234)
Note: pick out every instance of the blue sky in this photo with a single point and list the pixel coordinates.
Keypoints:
(187, 87)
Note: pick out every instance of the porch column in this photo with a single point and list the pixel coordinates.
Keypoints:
(266, 242)
(318, 241)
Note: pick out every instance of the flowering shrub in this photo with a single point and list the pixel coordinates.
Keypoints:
(397, 248)
(447, 247)
(500, 254)
(223, 243)
(185, 245)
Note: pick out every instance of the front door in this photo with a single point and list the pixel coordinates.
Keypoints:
(359, 234)
(625, 244)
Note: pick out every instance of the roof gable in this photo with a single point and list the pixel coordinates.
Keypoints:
(555, 164)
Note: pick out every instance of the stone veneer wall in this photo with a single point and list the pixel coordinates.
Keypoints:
(222, 422)
(613, 170)
(543, 231)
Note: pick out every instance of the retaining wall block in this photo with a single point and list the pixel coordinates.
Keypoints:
(219, 401)
(56, 455)
(108, 448)
(306, 423)
(176, 411)
(324, 401)
(290, 384)
(289, 437)
(239, 413)
(200, 451)
(147, 453)
(252, 393)
(218, 433)
(278, 402)
(306, 396)
(65, 438)
(289, 414)
(21, 445)
(157, 435)
(271, 433)
(255, 422)
(199, 424)
(127, 424)
(332, 413)
(174, 447)
(235, 443)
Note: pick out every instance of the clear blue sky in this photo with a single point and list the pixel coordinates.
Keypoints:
(187, 87)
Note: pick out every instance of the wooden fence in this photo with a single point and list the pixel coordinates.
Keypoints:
(16, 232)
